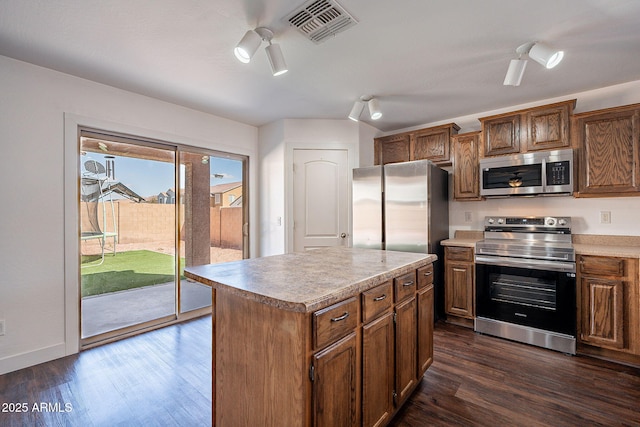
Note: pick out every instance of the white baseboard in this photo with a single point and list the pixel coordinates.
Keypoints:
(24, 360)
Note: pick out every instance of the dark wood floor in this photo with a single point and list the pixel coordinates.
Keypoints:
(163, 378)
(477, 380)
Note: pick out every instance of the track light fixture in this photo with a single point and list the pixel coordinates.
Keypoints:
(372, 103)
(541, 53)
(250, 43)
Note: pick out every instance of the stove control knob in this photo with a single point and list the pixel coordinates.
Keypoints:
(500, 220)
(562, 221)
(490, 220)
(551, 222)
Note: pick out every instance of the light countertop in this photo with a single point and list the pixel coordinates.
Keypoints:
(311, 280)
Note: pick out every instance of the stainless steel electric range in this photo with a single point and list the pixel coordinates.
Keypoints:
(526, 281)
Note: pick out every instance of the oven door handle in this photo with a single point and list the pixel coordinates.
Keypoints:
(567, 267)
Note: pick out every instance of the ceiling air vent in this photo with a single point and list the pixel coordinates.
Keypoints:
(319, 20)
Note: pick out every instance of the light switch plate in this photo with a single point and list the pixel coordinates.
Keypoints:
(605, 217)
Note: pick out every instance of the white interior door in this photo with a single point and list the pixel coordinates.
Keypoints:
(320, 198)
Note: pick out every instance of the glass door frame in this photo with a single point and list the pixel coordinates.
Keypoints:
(176, 149)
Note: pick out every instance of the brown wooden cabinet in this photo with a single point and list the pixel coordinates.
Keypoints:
(609, 307)
(431, 143)
(459, 285)
(406, 349)
(336, 384)
(466, 179)
(539, 128)
(425, 318)
(392, 149)
(608, 142)
(378, 348)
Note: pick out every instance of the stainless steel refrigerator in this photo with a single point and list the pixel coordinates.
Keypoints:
(403, 207)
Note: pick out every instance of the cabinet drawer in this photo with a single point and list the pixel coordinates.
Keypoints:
(376, 301)
(455, 253)
(405, 286)
(334, 322)
(602, 266)
(425, 276)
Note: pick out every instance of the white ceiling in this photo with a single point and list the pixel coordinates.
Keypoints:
(425, 60)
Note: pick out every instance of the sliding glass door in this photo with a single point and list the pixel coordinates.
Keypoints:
(146, 210)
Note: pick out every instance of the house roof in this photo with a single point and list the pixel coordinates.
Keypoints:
(426, 61)
(223, 188)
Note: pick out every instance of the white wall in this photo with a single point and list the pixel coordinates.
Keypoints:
(35, 102)
(585, 212)
(276, 144)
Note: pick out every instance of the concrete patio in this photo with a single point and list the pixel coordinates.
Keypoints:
(115, 310)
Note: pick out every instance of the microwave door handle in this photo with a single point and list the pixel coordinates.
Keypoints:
(544, 175)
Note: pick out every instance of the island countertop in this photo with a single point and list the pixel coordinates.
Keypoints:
(311, 280)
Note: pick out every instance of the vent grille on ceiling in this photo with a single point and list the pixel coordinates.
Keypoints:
(319, 20)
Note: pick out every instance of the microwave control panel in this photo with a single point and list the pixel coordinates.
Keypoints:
(558, 173)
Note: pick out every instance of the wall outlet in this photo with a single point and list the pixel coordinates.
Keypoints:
(2, 327)
(605, 217)
(468, 217)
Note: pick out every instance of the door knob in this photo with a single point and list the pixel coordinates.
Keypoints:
(343, 235)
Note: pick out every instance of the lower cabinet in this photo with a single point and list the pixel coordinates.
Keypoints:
(406, 349)
(397, 345)
(377, 371)
(335, 384)
(609, 307)
(459, 284)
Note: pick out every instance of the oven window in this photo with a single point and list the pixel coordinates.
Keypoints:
(512, 176)
(527, 291)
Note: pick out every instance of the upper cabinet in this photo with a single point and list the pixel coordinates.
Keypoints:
(430, 143)
(540, 128)
(608, 145)
(466, 180)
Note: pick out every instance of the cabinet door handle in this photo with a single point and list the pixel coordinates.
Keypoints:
(380, 298)
(339, 318)
(408, 283)
(429, 273)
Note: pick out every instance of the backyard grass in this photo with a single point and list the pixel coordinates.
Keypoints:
(126, 270)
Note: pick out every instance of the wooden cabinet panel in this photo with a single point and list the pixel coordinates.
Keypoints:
(392, 149)
(334, 322)
(335, 384)
(609, 147)
(602, 266)
(425, 276)
(539, 128)
(549, 128)
(406, 354)
(609, 307)
(459, 291)
(432, 143)
(466, 179)
(603, 312)
(501, 135)
(405, 286)
(458, 253)
(376, 301)
(425, 329)
(377, 371)
(459, 282)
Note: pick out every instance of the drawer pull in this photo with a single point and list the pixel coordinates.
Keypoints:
(337, 319)
(429, 273)
(408, 283)
(380, 298)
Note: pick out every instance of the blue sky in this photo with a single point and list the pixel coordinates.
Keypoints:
(148, 177)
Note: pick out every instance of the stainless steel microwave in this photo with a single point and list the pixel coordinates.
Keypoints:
(528, 174)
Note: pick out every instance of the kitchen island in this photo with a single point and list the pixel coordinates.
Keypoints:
(332, 336)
